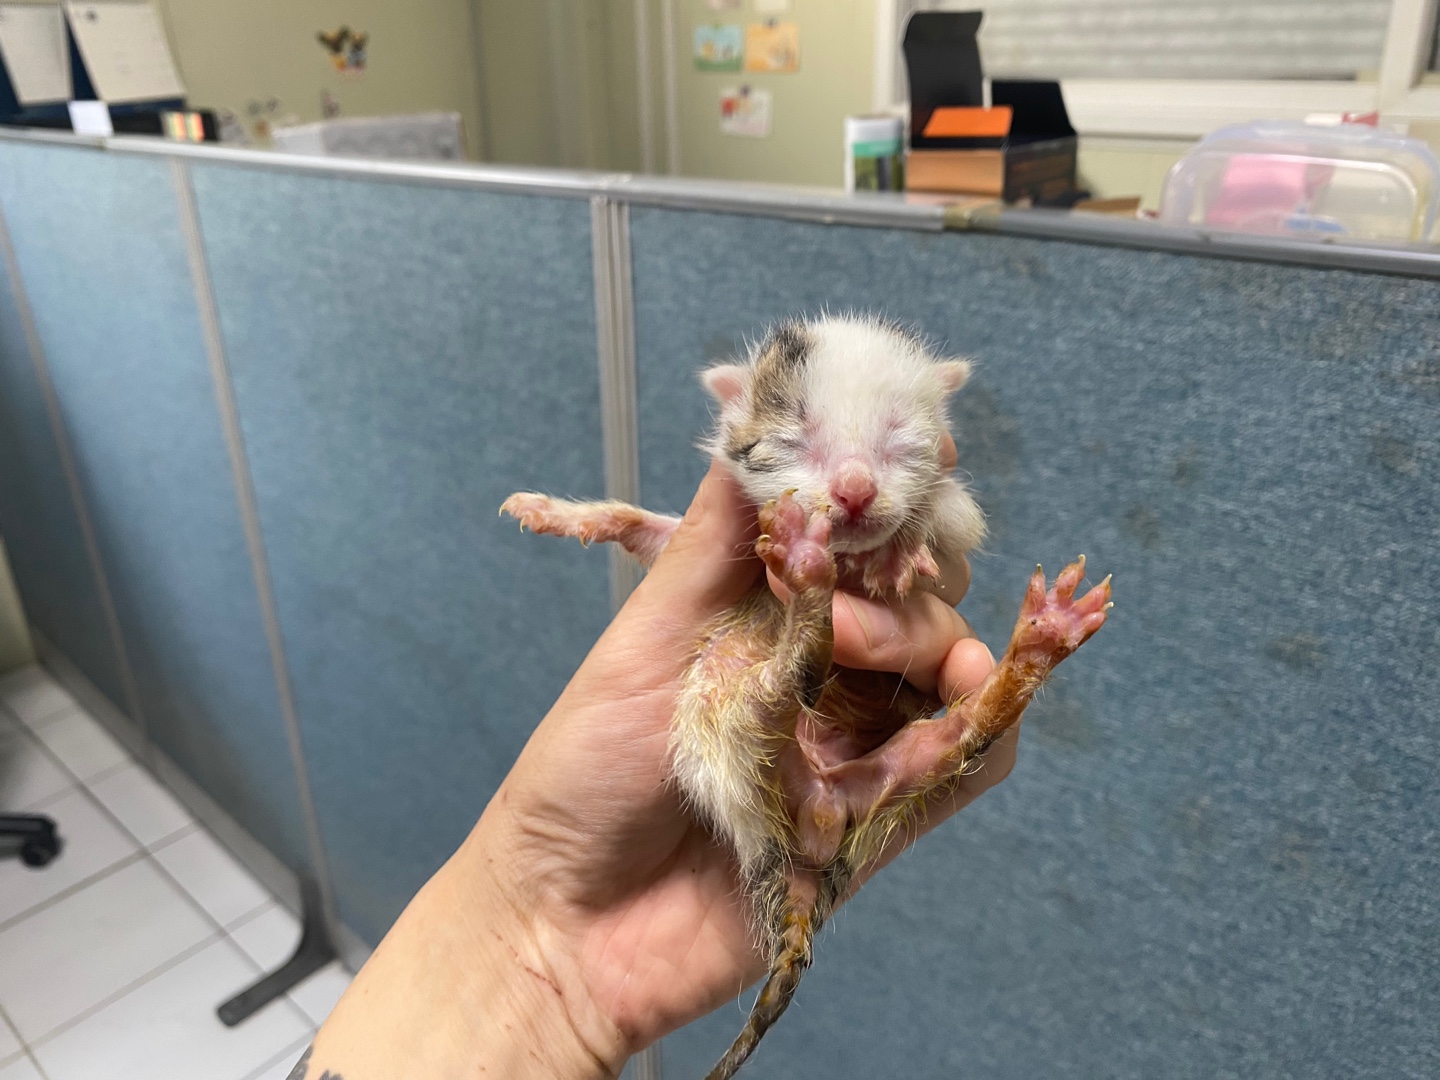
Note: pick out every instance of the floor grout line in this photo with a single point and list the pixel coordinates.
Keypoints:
(71, 890)
(6, 1022)
(296, 1048)
(135, 984)
(174, 838)
(170, 839)
(44, 719)
(112, 770)
(25, 1051)
(250, 916)
(39, 805)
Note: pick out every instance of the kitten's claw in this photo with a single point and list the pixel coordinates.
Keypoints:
(794, 547)
(1053, 625)
(538, 513)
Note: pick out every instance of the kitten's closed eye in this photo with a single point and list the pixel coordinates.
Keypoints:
(758, 459)
(910, 449)
(769, 453)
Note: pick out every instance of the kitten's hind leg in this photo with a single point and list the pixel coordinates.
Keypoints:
(641, 533)
(888, 789)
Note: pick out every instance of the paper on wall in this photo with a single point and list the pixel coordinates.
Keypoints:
(723, 5)
(772, 47)
(718, 48)
(36, 53)
(125, 51)
(771, 7)
(745, 110)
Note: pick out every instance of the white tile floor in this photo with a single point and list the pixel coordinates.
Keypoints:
(114, 957)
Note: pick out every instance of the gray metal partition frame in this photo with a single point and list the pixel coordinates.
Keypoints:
(1216, 856)
(98, 244)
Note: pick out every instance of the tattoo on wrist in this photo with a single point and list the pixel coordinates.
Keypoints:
(302, 1069)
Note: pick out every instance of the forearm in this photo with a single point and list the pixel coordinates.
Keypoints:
(454, 990)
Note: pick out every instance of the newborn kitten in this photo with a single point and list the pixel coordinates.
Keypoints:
(806, 769)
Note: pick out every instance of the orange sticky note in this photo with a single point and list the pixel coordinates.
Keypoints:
(969, 122)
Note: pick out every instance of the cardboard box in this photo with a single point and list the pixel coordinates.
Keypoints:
(1019, 146)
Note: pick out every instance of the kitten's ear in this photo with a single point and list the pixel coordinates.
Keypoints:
(727, 383)
(954, 374)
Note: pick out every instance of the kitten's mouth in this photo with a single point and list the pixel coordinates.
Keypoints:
(860, 534)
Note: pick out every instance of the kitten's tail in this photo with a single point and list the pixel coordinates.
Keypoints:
(793, 927)
(786, 970)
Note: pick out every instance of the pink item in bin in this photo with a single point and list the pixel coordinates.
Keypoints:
(1260, 193)
(1302, 180)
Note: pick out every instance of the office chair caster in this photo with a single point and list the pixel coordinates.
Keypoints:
(38, 841)
(40, 853)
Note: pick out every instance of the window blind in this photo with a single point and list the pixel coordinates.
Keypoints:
(1175, 39)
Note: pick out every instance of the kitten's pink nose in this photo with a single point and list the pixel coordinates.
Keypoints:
(853, 488)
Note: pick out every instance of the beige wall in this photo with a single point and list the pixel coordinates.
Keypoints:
(1115, 167)
(835, 80)
(421, 56)
(515, 76)
(560, 83)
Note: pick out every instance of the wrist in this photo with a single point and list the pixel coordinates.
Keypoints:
(526, 951)
(460, 987)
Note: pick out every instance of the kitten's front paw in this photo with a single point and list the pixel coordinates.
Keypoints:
(796, 549)
(538, 513)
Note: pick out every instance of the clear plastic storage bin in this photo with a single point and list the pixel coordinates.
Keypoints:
(1282, 178)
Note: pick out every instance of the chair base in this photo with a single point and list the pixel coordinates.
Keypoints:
(33, 834)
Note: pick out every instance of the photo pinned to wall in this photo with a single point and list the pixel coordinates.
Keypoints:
(718, 48)
(772, 47)
(771, 7)
(745, 110)
(723, 5)
(347, 49)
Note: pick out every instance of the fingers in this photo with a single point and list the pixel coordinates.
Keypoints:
(922, 638)
(954, 580)
(964, 668)
(990, 769)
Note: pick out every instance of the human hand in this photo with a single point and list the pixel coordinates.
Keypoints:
(586, 888)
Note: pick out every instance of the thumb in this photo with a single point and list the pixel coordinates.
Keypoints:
(710, 562)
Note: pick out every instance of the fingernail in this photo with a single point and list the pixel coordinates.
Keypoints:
(877, 622)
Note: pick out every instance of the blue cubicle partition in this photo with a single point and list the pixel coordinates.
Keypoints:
(97, 238)
(42, 529)
(403, 359)
(1216, 856)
